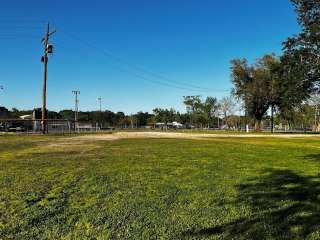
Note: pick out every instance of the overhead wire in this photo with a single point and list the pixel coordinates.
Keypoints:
(161, 79)
(18, 31)
(146, 79)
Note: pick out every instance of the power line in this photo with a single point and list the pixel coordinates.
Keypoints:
(155, 81)
(140, 69)
(151, 80)
(18, 31)
(20, 27)
(21, 24)
(18, 38)
(164, 80)
(141, 77)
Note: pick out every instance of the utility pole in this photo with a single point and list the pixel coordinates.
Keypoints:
(272, 118)
(48, 48)
(76, 108)
(100, 99)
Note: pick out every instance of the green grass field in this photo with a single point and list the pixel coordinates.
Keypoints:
(58, 188)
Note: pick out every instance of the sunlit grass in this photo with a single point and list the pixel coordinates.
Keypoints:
(53, 187)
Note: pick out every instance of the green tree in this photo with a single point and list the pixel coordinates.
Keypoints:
(164, 115)
(210, 106)
(142, 118)
(193, 106)
(257, 85)
(301, 56)
(67, 114)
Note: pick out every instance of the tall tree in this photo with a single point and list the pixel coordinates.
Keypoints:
(227, 105)
(164, 115)
(256, 85)
(193, 107)
(210, 106)
(301, 56)
(314, 102)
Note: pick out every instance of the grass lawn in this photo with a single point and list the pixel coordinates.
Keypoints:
(58, 188)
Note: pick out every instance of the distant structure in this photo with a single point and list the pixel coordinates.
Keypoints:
(170, 125)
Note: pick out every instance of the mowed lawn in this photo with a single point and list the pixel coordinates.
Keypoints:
(55, 187)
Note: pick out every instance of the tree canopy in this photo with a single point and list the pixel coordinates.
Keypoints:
(257, 85)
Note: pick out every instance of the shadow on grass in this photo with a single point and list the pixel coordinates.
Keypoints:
(284, 205)
(314, 157)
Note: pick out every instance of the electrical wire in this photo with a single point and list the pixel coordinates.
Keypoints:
(164, 80)
(18, 31)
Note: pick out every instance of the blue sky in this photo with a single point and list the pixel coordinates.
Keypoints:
(126, 51)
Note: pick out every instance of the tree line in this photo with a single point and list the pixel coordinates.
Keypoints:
(274, 90)
(208, 113)
(284, 85)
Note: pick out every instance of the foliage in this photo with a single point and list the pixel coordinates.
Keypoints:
(302, 54)
(257, 85)
(201, 113)
(164, 115)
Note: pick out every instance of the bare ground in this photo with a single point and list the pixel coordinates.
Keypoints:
(130, 135)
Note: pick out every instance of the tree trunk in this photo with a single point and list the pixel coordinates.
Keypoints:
(316, 127)
(257, 125)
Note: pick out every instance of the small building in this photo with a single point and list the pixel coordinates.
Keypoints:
(86, 127)
(171, 125)
(177, 125)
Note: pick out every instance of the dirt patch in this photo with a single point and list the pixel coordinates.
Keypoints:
(129, 135)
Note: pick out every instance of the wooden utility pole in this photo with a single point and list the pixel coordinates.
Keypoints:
(47, 49)
(100, 99)
(76, 108)
(272, 118)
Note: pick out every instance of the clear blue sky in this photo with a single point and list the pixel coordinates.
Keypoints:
(186, 41)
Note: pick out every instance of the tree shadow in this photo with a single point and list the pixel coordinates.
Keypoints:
(314, 157)
(284, 205)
